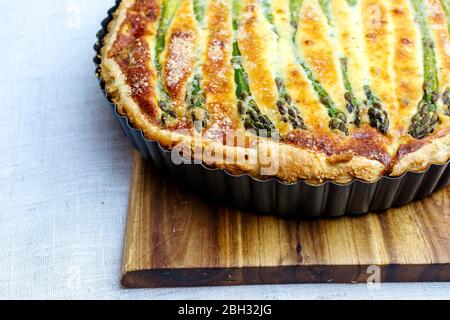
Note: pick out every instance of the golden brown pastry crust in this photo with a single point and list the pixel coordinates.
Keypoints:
(314, 155)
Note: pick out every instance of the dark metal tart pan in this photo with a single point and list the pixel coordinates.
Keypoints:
(300, 199)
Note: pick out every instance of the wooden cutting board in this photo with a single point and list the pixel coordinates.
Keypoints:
(175, 238)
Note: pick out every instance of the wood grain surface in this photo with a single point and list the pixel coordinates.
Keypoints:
(175, 238)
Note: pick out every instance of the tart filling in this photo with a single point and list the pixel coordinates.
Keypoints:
(295, 89)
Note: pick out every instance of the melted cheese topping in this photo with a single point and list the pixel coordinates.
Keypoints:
(132, 50)
(179, 60)
(218, 73)
(409, 74)
(348, 24)
(379, 43)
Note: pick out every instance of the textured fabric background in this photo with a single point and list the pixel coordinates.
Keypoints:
(65, 168)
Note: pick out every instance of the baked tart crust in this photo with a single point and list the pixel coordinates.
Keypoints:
(344, 89)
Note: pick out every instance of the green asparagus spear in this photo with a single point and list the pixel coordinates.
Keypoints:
(325, 4)
(446, 5)
(446, 102)
(195, 97)
(295, 7)
(446, 96)
(426, 119)
(240, 77)
(267, 9)
(237, 7)
(251, 114)
(287, 109)
(199, 10)
(352, 3)
(168, 12)
(338, 119)
(430, 69)
(195, 101)
(253, 118)
(378, 118)
(352, 103)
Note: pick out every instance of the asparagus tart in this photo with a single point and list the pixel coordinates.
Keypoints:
(313, 90)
